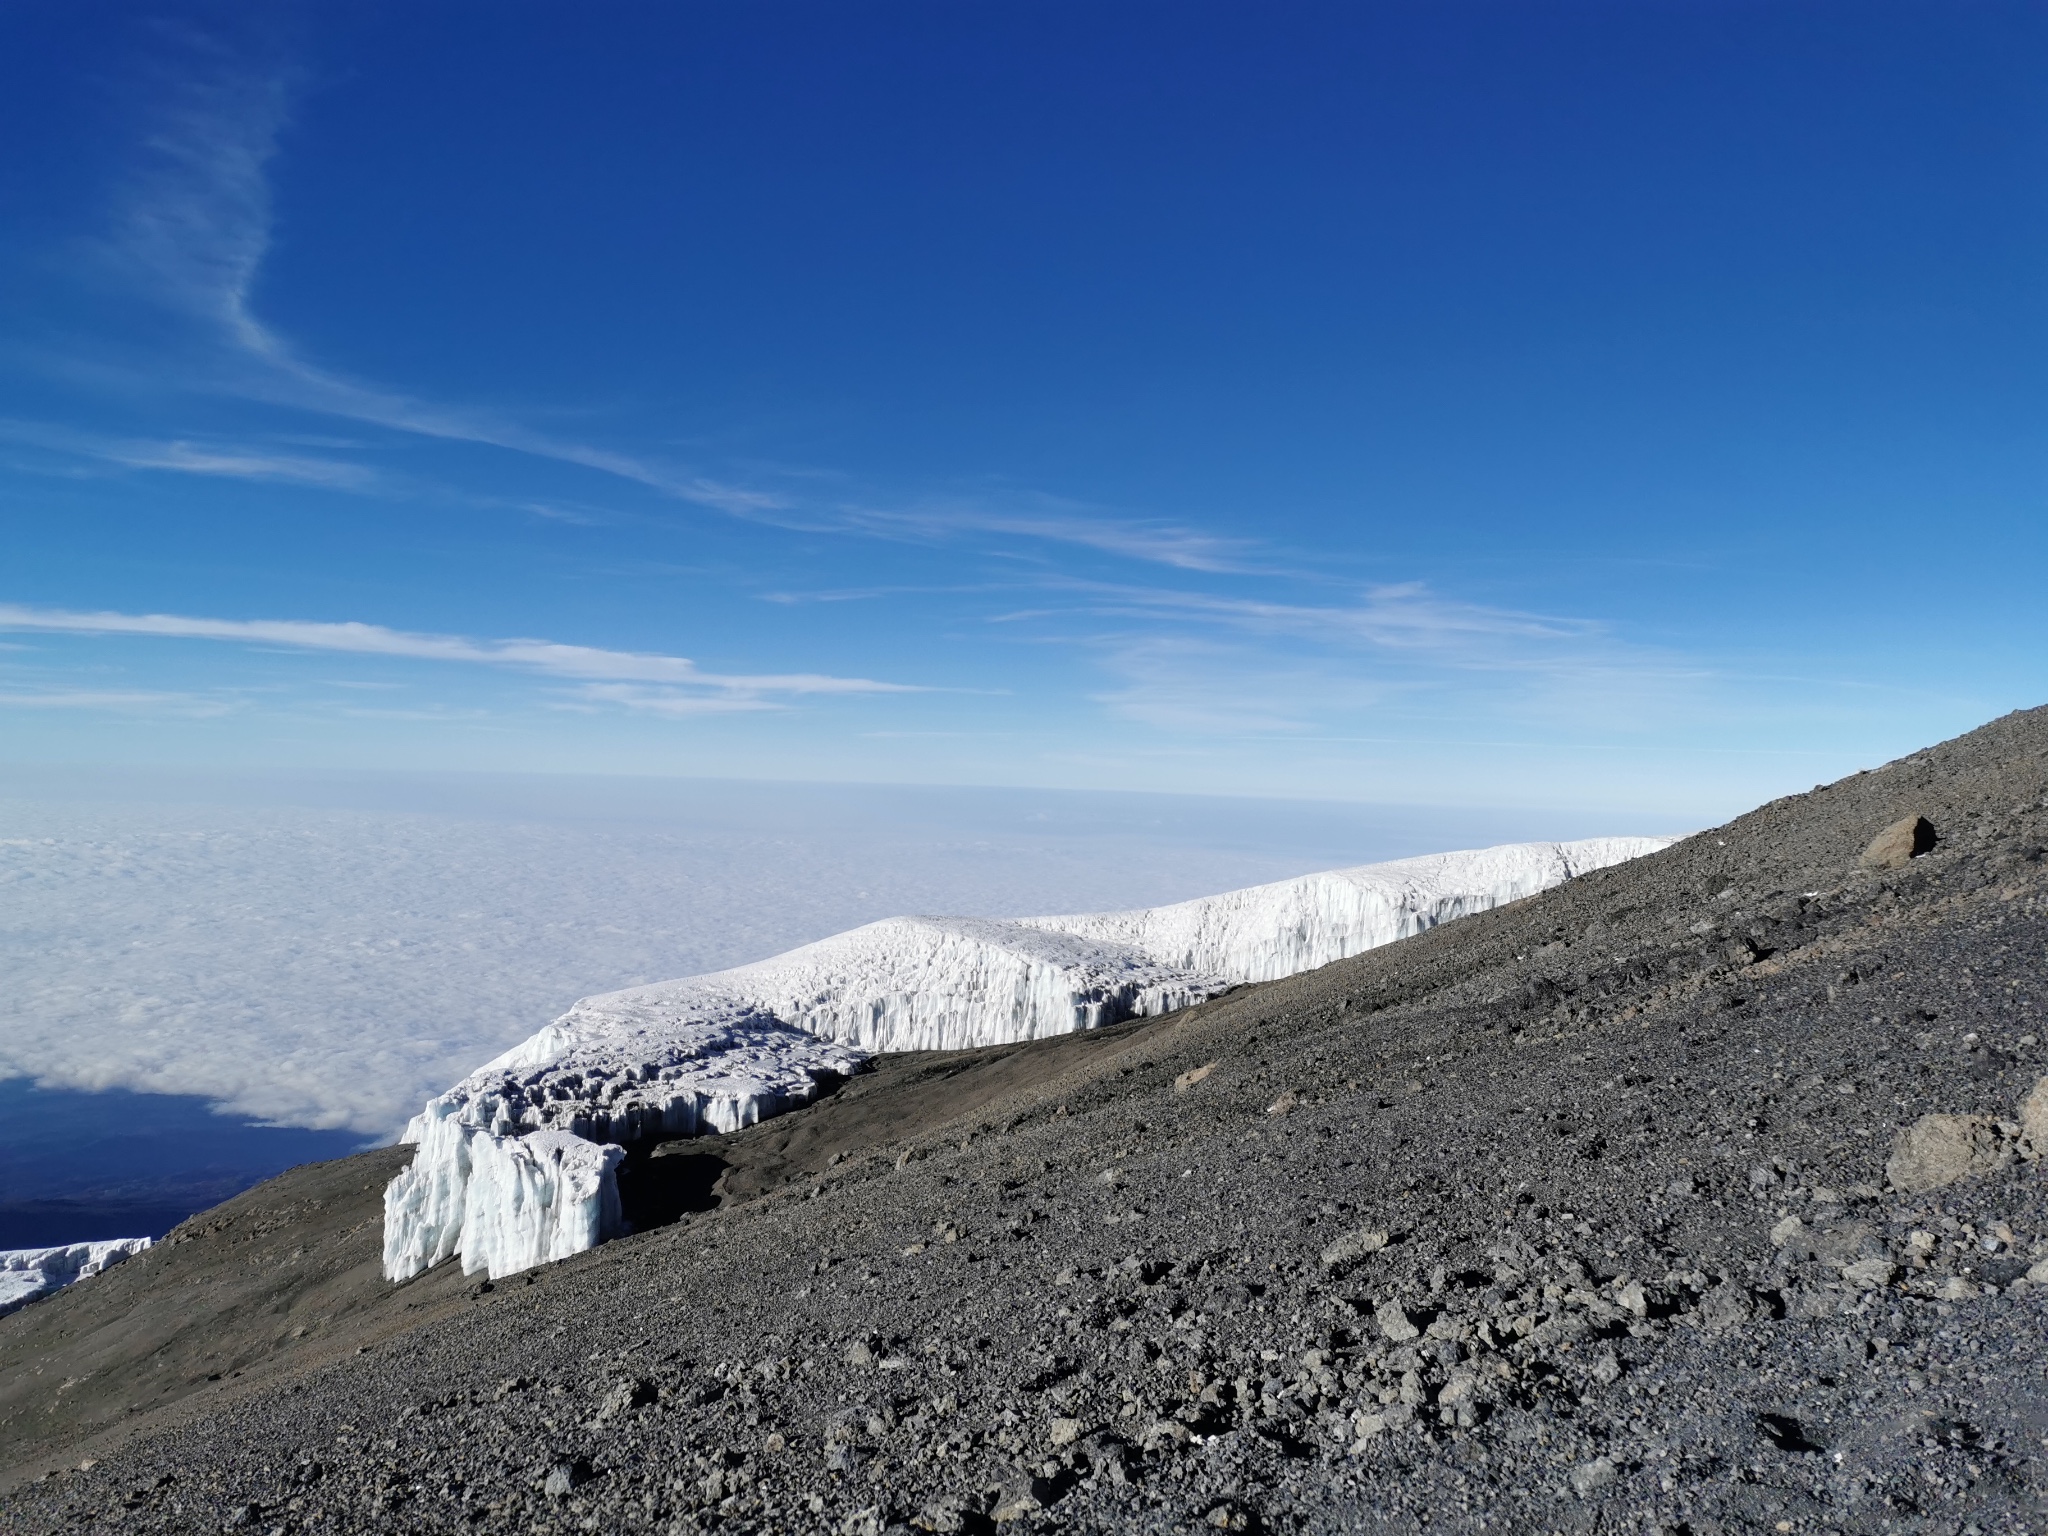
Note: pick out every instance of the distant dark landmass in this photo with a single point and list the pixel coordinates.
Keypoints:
(77, 1167)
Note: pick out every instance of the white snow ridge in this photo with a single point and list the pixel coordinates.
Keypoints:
(1268, 931)
(952, 983)
(29, 1274)
(516, 1162)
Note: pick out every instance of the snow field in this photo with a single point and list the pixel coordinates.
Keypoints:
(28, 1274)
(717, 1052)
(953, 983)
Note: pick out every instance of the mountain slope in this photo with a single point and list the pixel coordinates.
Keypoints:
(1571, 1215)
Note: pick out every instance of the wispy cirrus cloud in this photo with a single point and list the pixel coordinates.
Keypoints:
(1058, 521)
(233, 461)
(546, 657)
(1406, 616)
(1203, 662)
(1192, 685)
(195, 229)
(242, 464)
(195, 233)
(670, 703)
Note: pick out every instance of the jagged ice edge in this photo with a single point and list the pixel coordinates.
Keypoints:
(516, 1163)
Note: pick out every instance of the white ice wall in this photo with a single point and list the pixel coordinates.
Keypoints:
(715, 1053)
(1268, 931)
(27, 1274)
(718, 1052)
(503, 1203)
(676, 1060)
(952, 983)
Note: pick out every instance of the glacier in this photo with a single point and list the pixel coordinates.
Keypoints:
(953, 983)
(503, 1203)
(29, 1274)
(516, 1163)
(1265, 932)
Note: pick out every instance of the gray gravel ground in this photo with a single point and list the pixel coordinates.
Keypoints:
(1574, 1216)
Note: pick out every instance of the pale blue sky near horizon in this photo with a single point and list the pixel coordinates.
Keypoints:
(1618, 408)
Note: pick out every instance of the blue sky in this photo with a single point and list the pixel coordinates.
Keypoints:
(1633, 406)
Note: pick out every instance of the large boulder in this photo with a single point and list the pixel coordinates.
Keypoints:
(1900, 843)
(1937, 1150)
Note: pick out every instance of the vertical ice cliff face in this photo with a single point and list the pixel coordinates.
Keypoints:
(28, 1274)
(951, 983)
(1268, 931)
(516, 1162)
(502, 1203)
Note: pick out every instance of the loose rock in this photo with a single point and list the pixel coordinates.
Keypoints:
(1937, 1150)
(1899, 844)
(1352, 1247)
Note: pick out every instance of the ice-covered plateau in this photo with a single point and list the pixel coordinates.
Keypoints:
(516, 1162)
(28, 1274)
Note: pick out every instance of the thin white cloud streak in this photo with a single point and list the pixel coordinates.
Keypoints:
(186, 457)
(132, 702)
(548, 657)
(196, 230)
(242, 464)
(1575, 667)
(868, 594)
(1191, 686)
(1158, 543)
(1291, 667)
(668, 703)
(1405, 616)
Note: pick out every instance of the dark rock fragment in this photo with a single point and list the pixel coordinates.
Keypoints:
(1728, 1305)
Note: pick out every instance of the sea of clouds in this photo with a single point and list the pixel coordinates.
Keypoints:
(331, 953)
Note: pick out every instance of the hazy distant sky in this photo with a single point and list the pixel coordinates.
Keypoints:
(1633, 405)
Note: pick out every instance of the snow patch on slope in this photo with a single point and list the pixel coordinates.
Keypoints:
(28, 1274)
(717, 1052)
(680, 1058)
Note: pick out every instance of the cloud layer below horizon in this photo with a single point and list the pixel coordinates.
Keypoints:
(332, 966)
